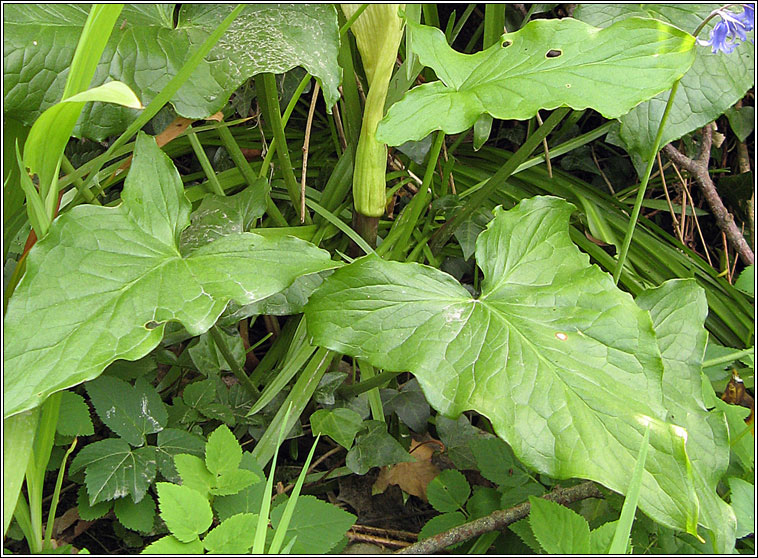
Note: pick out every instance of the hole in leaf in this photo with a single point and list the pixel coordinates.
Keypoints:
(506, 43)
(561, 336)
(552, 53)
(151, 324)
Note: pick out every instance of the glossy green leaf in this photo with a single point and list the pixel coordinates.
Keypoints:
(105, 280)
(219, 216)
(137, 517)
(186, 512)
(558, 529)
(496, 462)
(146, 50)
(713, 84)
(678, 309)
(408, 403)
(341, 425)
(74, 418)
(448, 491)
(131, 412)
(564, 364)
(743, 502)
(232, 536)
(545, 65)
(18, 438)
(113, 469)
(441, 523)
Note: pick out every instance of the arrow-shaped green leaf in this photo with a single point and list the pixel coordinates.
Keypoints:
(103, 282)
(563, 363)
(545, 65)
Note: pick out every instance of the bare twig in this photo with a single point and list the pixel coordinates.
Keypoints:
(547, 151)
(500, 519)
(698, 168)
(668, 198)
(306, 144)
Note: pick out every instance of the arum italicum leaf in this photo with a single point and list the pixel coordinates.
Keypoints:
(562, 362)
(678, 309)
(103, 282)
(545, 65)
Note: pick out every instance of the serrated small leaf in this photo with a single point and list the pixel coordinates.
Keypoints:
(232, 482)
(113, 469)
(746, 280)
(318, 526)
(131, 412)
(222, 452)
(340, 424)
(172, 441)
(137, 517)
(484, 500)
(448, 491)
(247, 500)
(233, 536)
(512, 496)
(194, 473)
(73, 417)
(87, 512)
(375, 448)
(524, 532)
(200, 394)
(601, 538)
(441, 523)
(186, 512)
(171, 545)
(558, 529)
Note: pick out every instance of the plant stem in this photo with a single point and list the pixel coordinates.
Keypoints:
(266, 82)
(237, 370)
(728, 358)
(643, 187)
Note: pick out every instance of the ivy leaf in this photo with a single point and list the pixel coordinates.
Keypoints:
(558, 529)
(113, 469)
(678, 309)
(546, 64)
(105, 281)
(73, 417)
(146, 50)
(186, 512)
(375, 448)
(496, 462)
(409, 403)
(713, 84)
(341, 424)
(131, 412)
(233, 536)
(564, 364)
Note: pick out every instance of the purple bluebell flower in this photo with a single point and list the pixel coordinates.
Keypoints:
(731, 27)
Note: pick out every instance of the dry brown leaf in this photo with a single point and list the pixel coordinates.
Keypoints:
(413, 477)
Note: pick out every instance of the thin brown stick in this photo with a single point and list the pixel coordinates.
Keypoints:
(340, 129)
(698, 168)
(306, 144)
(500, 519)
(668, 199)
